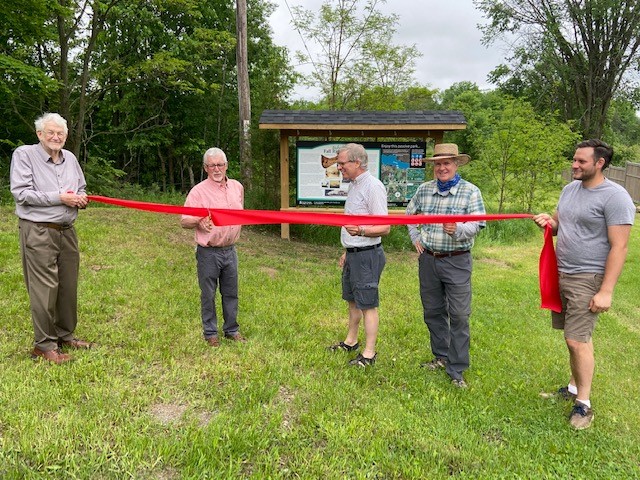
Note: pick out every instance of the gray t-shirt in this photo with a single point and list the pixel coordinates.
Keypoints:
(584, 215)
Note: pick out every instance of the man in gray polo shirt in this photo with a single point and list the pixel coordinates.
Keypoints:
(48, 186)
(363, 260)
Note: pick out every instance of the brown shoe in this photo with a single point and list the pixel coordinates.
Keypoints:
(459, 383)
(213, 341)
(581, 416)
(236, 337)
(55, 356)
(434, 364)
(77, 344)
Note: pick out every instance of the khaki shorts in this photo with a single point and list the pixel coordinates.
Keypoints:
(576, 291)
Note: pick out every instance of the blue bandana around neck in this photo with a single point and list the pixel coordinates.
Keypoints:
(446, 186)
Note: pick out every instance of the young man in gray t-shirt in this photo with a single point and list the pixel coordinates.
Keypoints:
(593, 222)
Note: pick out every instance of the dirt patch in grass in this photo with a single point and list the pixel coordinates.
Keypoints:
(204, 418)
(97, 268)
(271, 272)
(168, 473)
(285, 397)
(167, 413)
(494, 436)
(171, 414)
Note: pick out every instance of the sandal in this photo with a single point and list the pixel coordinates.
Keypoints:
(343, 346)
(361, 361)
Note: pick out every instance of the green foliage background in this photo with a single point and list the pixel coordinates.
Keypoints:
(147, 86)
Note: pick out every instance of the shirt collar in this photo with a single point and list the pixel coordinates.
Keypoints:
(48, 158)
(452, 191)
(221, 185)
(361, 177)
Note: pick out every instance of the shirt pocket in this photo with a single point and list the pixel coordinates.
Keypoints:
(456, 210)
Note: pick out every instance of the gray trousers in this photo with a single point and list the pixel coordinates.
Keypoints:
(50, 263)
(445, 291)
(218, 266)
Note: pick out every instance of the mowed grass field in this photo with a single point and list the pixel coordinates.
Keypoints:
(154, 401)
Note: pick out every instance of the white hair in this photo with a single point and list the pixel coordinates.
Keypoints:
(51, 118)
(214, 152)
(355, 153)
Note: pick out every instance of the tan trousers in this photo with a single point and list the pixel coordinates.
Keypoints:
(50, 263)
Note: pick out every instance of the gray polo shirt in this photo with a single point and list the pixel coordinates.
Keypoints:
(37, 182)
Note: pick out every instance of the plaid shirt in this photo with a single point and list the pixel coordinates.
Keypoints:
(464, 198)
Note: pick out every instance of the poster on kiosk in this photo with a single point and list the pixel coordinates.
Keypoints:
(399, 165)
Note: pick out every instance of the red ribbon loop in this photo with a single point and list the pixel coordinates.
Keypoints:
(548, 268)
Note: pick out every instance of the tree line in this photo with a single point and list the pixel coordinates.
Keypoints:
(148, 85)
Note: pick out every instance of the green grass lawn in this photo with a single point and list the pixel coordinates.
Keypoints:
(153, 401)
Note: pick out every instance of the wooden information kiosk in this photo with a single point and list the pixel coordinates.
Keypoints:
(351, 126)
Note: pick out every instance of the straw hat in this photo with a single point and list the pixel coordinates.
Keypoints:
(449, 150)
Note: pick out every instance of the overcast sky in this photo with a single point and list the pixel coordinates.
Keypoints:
(444, 31)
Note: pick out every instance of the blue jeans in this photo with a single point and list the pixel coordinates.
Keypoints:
(218, 266)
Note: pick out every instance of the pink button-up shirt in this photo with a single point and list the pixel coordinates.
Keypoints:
(210, 194)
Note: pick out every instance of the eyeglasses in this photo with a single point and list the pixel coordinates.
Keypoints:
(341, 164)
(51, 134)
(214, 165)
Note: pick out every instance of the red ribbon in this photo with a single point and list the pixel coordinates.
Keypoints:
(222, 217)
(548, 269)
(548, 274)
(152, 207)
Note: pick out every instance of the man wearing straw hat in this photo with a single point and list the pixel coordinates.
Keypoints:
(444, 264)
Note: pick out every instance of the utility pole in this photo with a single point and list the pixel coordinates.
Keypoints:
(244, 98)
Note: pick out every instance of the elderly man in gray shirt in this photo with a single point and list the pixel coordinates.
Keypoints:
(48, 186)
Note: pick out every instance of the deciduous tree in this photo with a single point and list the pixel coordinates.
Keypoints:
(146, 85)
(569, 54)
(523, 153)
(353, 51)
(518, 154)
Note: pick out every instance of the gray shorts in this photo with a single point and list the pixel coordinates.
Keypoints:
(576, 291)
(361, 276)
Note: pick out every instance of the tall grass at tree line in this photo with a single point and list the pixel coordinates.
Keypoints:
(154, 401)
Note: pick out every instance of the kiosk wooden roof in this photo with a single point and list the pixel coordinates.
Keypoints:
(360, 124)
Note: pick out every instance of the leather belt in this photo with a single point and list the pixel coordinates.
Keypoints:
(362, 249)
(212, 247)
(55, 226)
(445, 254)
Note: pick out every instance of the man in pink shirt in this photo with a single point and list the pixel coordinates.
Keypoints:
(216, 255)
